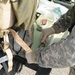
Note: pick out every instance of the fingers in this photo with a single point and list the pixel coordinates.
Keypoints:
(44, 39)
(41, 36)
(44, 35)
(42, 45)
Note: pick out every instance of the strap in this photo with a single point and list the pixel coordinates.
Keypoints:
(10, 59)
(6, 48)
(16, 38)
(8, 51)
(20, 41)
(17, 48)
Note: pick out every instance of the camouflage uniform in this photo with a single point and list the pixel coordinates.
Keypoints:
(61, 54)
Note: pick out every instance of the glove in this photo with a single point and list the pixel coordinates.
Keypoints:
(45, 34)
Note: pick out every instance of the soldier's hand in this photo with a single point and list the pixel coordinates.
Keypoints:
(45, 34)
(31, 58)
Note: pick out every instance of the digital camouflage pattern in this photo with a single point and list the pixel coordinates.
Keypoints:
(65, 21)
(61, 54)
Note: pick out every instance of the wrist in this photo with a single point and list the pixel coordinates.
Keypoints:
(51, 30)
(56, 29)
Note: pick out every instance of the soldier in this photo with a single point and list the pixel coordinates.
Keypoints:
(61, 54)
(19, 14)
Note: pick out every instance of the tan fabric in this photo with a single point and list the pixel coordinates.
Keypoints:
(7, 50)
(10, 59)
(25, 11)
(6, 14)
(20, 41)
(16, 38)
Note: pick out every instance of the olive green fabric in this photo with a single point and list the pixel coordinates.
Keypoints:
(25, 11)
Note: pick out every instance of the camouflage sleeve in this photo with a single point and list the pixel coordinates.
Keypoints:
(59, 55)
(65, 21)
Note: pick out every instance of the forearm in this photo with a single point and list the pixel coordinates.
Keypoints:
(65, 21)
(58, 55)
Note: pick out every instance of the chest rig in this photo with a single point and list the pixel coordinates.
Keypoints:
(6, 22)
